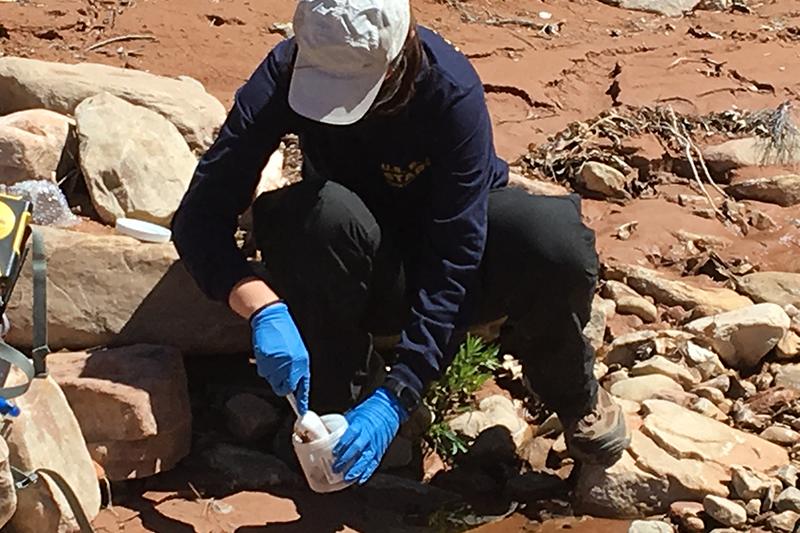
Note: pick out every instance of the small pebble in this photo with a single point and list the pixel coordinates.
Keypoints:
(781, 435)
(613, 377)
(723, 383)
(725, 511)
(788, 475)
(788, 500)
(783, 522)
(650, 526)
(768, 501)
(694, 524)
(748, 484)
(706, 407)
(710, 393)
(740, 388)
(753, 507)
(763, 381)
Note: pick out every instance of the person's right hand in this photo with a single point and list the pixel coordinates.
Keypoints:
(281, 356)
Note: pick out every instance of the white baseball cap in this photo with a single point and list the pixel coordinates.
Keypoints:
(344, 48)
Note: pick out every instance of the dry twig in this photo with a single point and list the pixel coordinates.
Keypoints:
(112, 40)
(687, 146)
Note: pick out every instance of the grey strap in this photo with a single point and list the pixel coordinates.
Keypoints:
(40, 348)
(23, 480)
(21, 361)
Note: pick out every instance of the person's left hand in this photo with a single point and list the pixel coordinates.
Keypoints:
(373, 425)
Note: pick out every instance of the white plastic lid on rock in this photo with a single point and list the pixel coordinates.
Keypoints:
(144, 231)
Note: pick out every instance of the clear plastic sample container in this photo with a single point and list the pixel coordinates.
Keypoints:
(316, 458)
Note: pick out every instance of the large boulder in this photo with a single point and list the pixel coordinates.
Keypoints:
(115, 290)
(781, 190)
(687, 434)
(29, 83)
(32, 145)
(675, 455)
(672, 292)
(134, 161)
(8, 492)
(744, 336)
(782, 288)
(132, 404)
(46, 435)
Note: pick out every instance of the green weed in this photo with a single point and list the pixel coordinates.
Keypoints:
(472, 366)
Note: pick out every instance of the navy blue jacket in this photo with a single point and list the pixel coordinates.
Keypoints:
(426, 171)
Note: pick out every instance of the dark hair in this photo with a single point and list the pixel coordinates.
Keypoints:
(398, 87)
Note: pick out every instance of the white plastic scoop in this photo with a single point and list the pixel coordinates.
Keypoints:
(308, 427)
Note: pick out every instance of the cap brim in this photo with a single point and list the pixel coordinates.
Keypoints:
(323, 97)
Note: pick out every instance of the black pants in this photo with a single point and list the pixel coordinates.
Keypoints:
(342, 277)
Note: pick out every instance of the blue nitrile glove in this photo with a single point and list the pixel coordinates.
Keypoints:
(373, 425)
(281, 356)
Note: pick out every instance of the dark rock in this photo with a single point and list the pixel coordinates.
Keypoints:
(398, 493)
(493, 446)
(250, 418)
(533, 486)
(248, 469)
(466, 481)
(740, 388)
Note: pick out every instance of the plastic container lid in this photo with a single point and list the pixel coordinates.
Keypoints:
(144, 231)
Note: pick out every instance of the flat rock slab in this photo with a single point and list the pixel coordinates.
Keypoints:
(687, 434)
(114, 290)
(134, 161)
(671, 292)
(132, 404)
(675, 455)
(47, 435)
